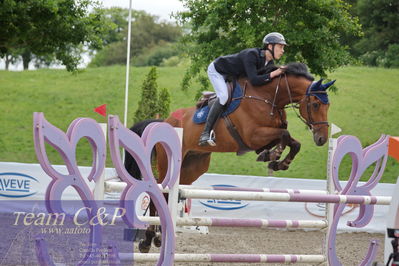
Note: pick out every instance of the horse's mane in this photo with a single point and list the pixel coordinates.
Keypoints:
(295, 68)
(298, 69)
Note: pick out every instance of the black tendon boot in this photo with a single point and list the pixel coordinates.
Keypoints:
(206, 137)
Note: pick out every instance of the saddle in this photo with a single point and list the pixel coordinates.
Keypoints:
(235, 93)
(205, 103)
(208, 97)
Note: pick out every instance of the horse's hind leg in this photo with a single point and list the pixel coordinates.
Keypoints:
(153, 232)
(158, 229)
(158, 236)
(145, 244)
(193, 166)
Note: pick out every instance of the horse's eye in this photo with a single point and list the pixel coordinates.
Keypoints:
(315, 106)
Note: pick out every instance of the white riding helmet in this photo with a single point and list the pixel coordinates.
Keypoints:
(274, 37)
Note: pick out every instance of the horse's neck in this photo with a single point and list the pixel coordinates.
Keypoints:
(296, 86)
(291, 90)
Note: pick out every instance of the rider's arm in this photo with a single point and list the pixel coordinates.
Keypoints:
(252, 73)
(276, 73)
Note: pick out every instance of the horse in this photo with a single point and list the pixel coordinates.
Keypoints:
(260, 125)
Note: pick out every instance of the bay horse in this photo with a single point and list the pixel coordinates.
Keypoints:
(260, 121)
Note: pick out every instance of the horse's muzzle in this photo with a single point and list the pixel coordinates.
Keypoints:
(319, 139)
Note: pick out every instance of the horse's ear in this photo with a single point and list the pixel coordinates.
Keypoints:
(315, 86)
(327, 85)
(318, 83)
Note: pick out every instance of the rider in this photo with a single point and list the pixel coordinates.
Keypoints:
(247, 63)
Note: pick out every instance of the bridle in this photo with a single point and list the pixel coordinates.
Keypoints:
(310, 123)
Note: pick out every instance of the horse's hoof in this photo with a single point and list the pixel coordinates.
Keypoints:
(143, 247)
(283, 166)
(158, 241)
(273, 165)
(264, 156)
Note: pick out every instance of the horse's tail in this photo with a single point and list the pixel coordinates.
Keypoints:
(130, 164)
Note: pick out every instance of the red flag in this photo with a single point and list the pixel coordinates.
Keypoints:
(102, 110)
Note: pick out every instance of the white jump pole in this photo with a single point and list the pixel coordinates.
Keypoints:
(117, 186)
(129, 30)
(227, 258)
(332, 146)
(283, 197)
(128, 62)
(238, 222)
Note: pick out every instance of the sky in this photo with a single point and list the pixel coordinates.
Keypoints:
(161, 8)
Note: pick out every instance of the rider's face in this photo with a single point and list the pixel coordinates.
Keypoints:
(278, 50)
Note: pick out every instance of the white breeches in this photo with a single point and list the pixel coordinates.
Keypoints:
(218, 83)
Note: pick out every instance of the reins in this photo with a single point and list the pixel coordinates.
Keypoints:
(253, 97)
(296, 106)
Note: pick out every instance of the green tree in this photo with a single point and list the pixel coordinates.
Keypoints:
(312, 29)
(380, 21)
(118, 17)
(50, 27)
(156, 55)
(349, 39)
(148, 105)
(10, 57)
(148, 34)
(164, 103)
(112, 54)
(392, 56)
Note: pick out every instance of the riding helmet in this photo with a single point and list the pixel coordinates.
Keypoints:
(274, 37)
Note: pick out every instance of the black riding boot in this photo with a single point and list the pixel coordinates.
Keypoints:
(214, 113)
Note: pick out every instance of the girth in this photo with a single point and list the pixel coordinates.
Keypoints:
(242, 147)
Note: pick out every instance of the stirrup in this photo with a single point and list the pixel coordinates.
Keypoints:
(211, 140)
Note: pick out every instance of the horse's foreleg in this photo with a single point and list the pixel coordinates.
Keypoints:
(272, 136)
(265, 153)
(295, 146)
(267, 138)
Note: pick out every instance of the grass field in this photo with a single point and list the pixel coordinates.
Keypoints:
(366, 106)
